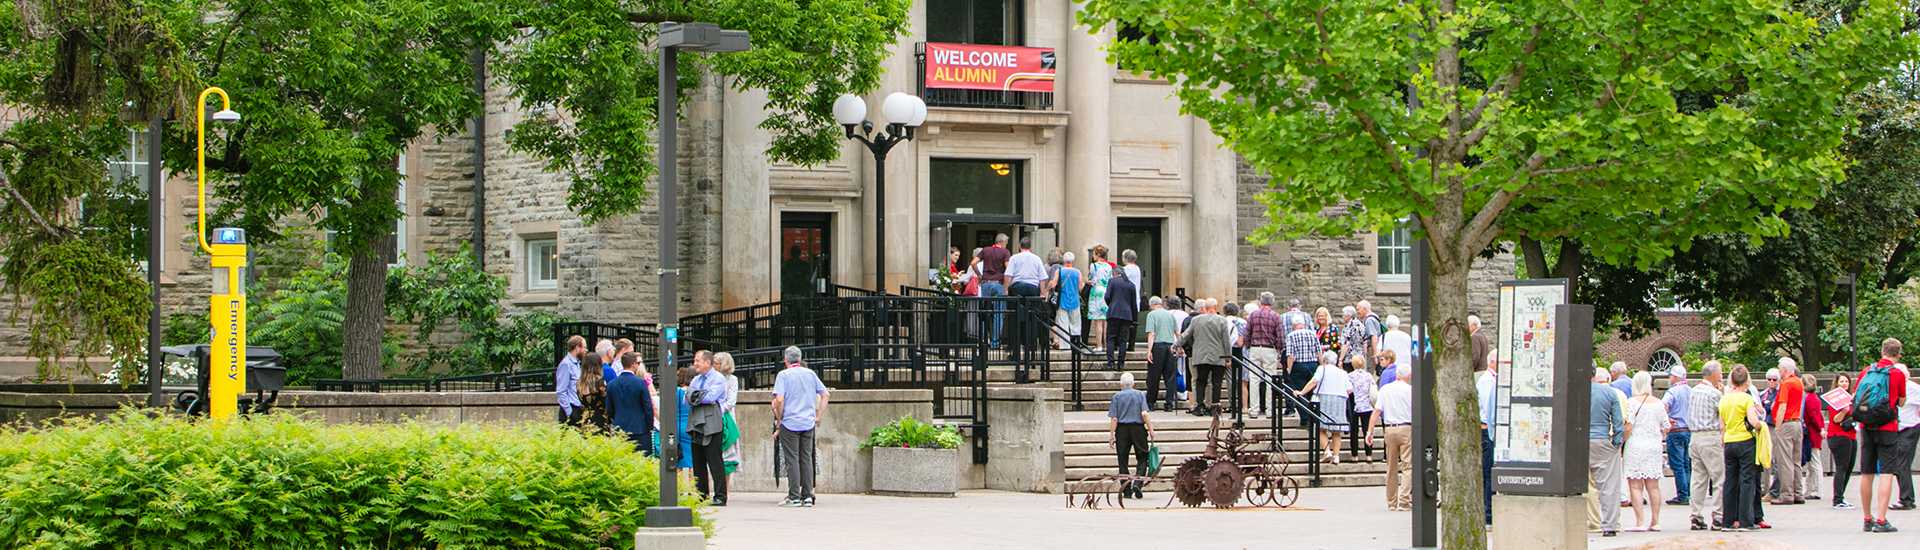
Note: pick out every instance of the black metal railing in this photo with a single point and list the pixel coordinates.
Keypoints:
(374, 385)
(1281, 392)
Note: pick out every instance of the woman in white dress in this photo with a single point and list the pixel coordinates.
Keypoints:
(1646, 441)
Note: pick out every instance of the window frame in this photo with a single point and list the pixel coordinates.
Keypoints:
(531, 263)
(1385, 245)
(1014, 21)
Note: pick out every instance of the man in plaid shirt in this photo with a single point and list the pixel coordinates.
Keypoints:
(1265, 338)
(1303, 358)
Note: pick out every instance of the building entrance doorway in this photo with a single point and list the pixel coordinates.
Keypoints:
(971, 232)
(806, 253)
(1143, 237)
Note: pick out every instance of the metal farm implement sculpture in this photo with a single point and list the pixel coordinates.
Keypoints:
(1234, 465)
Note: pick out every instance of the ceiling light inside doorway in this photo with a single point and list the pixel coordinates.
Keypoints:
(1001, 168)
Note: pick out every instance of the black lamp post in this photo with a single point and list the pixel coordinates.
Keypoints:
(674, 37)
(904, 112)
(1853, 342)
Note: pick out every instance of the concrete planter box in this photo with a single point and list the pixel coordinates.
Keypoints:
(915, 472)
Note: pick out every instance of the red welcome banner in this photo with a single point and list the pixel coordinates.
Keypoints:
(988, 67)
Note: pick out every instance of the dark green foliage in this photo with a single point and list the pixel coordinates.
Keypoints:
(452, 289)
(282, 482)
(184, 328)
(303, 320)
(1882, 314)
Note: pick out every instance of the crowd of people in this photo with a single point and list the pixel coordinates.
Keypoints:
(609, 391)
(1736, 445)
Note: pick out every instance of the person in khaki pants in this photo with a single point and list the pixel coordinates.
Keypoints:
(1393, 408)
(1707, 452)
(1788, 431)
(1606, 432)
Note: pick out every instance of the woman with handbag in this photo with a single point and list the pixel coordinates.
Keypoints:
(1130, 431)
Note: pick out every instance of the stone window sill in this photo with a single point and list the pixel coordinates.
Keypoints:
(537, 298)
(1389, 287)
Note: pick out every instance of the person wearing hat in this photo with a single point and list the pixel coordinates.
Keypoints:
(1679, 434)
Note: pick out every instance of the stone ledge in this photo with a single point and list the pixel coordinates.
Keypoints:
(834, 397)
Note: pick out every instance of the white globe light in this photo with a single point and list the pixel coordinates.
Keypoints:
(849, 109)
(919, 112)
(898, 107)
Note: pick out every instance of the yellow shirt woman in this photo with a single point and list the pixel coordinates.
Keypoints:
(1733, 416)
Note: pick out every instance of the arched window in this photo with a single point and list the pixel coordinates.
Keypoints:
(1663, 360)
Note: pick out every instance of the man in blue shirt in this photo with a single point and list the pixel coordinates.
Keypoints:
(706, 425)
(798, 401)
(1680, 436)
(1606, 431)
(566, 379)
(1484, 387)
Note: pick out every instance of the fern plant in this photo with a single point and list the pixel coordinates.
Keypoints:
(910, 432)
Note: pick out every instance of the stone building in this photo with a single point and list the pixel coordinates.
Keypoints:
(1106, 157)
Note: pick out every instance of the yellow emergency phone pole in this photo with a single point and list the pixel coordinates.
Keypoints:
(227, 357)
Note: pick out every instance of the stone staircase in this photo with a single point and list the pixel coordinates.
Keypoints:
(1181, 436)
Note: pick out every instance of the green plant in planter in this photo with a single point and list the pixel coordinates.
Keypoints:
(910, 432)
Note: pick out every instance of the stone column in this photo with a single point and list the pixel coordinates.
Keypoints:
(1215, 242)
(1089, 89)
(746, 203)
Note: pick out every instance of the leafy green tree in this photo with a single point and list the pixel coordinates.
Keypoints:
(1489, 121)
(333, 91)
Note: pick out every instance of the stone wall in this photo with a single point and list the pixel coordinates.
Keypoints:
(850, 416)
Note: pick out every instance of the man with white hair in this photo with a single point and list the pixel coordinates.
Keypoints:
(1485, 386)
(1621, 380)
(1303, 359)
(1294, 314)
(1370, 332)
(799, 399)
(1398, 342)
(1679, 434)
(1129, 431)
(1606, 432)
(1789, 401)
(1705, 451)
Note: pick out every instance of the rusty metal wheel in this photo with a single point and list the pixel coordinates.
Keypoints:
(1187, 485)
(1286, 491)
(1224, 482)
(1261, 490)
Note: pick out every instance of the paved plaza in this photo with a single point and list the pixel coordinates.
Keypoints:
(1331, 518)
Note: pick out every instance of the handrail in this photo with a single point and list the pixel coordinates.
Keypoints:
(1280, 387)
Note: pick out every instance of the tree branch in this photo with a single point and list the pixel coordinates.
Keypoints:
(1534, 256)
(28, 206)
(1504, 87)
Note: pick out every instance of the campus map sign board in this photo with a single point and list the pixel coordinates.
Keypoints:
(989, 67)
(1545, 348)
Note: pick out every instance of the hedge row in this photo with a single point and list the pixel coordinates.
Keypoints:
(284, 482)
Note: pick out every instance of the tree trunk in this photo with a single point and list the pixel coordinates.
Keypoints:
(366, 323)
(1462, 511)
(1813, 352)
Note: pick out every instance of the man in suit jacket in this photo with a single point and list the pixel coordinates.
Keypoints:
(1212, 339)
(1123, 306)
(630, 404)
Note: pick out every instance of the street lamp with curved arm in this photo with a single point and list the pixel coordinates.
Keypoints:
(225, 114)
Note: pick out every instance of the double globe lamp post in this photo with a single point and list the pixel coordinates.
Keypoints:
(904, 112)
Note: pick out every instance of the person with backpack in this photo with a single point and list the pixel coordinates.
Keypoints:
(1881, 391)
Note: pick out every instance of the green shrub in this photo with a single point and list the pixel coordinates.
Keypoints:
(451, 289)
(183, 329)
(911, 432)
(282, 482)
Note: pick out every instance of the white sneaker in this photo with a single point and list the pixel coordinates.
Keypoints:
(790, 503)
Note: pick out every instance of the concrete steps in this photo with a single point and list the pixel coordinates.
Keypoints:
(1181, 437)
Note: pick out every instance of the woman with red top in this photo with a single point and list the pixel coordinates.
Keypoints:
(1840, 440)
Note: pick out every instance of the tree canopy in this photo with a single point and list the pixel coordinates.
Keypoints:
(1631, 127)
(333, 91)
